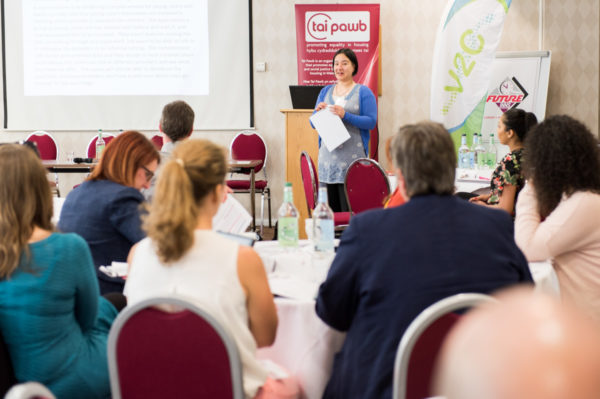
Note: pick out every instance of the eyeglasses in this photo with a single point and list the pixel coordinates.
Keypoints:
(149, 173)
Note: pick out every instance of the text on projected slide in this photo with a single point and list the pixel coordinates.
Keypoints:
(115, 47)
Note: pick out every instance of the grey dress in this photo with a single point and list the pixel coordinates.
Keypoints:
(333, 165)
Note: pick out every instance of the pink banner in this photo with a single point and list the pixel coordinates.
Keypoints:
(323, 29)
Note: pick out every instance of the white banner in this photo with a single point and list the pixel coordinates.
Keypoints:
(466, 42)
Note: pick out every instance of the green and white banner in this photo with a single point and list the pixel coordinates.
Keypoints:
(466, 42)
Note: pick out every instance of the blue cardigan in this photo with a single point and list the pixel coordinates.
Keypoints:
(367, 119)
(107, 215)
(392, 264)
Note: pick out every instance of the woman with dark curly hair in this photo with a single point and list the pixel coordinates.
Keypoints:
(557, 211)
(507, 180)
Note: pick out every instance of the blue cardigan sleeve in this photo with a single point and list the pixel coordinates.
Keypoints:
(339, 295)
(368, 111)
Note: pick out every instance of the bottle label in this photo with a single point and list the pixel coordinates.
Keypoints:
(323, 235)
(99, 150)
(287, 231)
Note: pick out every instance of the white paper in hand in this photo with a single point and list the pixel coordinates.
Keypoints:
(231, 217)
(330, 127)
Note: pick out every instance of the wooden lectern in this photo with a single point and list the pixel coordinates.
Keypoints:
(299, 136)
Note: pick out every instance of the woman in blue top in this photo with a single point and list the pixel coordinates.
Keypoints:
(355, 104)
(105, 209)
(53, 321)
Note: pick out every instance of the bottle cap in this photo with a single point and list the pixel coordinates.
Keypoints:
(288, 184)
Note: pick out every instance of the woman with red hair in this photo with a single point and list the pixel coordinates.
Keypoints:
(105, 209)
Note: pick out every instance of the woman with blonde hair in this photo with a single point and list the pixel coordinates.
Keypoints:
(105, 209)
(53, 321)
(183, 255)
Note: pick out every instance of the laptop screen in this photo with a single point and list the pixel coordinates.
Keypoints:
(304, 97)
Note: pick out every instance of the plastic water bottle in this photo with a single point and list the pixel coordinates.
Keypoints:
(464, 157)
(323, 225)
(491, 153)
(472, 152)
(287, 219)
(480, 154)
(99, 144)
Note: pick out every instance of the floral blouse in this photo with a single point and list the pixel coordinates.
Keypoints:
(508, 172)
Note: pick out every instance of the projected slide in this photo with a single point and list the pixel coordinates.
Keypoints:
(115, 47)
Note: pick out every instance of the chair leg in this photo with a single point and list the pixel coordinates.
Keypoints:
(262, 212)
(56, 181)
(269, 205)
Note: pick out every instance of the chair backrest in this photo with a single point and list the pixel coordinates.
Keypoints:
(46, 145)
(29, 390)
(7, 375)
(91, 148)
(157, 140)
(421, 342)
(249, 145)
(310, 181)
(154, 353)
(366, 185)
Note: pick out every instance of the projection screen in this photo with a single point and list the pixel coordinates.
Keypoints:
(113, 64)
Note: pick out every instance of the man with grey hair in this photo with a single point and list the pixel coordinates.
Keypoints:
(393, 263)
(176, 124)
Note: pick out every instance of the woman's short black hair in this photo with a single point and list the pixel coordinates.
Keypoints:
(351, 56)
(520, 121)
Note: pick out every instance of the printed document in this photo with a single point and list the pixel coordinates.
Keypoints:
(330, 127)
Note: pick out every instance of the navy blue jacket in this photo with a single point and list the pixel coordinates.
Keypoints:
(107, 215)
(392, 264)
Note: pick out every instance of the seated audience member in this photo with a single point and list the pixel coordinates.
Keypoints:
(53, 321)
(395, 198)
(557, 211)
(393, 263)
(525, 346)
(105, 209)
(176, 124)
(507, 180)
(184, 256)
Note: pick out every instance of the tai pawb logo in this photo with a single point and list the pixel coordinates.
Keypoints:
(337, 26)
(508, 95)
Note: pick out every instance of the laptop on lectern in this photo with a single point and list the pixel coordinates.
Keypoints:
(304, 97)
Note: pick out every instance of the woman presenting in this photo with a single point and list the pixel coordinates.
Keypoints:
(355, 104)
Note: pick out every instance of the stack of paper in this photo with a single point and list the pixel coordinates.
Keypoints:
(232, 217)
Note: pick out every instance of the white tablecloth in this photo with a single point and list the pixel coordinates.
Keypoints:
(469, 180)
(304, 345)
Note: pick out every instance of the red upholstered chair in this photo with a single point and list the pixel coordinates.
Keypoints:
(154, 353)
(374, 143)
(91, 148)
(46, 145)
(310, 182)
(249, 145)
(157, 140)
(422, 341)
(366, 185)
(48, 150)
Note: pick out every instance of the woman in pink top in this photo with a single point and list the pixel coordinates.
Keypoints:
(558, 210)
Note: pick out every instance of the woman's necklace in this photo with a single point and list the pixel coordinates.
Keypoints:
(347, 90)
